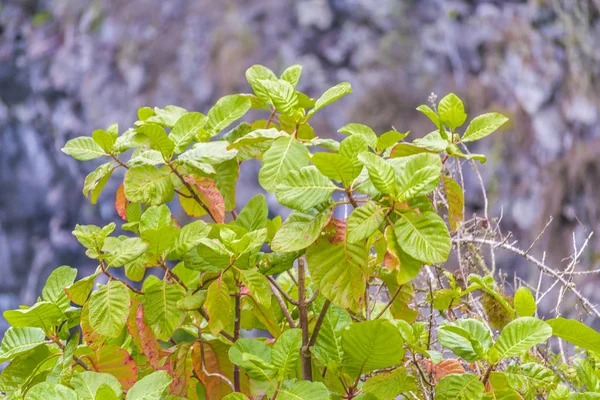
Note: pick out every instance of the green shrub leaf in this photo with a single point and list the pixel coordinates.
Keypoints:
(576, 333)
(524, 302)
(483, 125)
(304, 189)
(424, 237)
(459, 386)
(520, 335)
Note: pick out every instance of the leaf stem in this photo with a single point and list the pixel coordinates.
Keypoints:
(319, 323)
(303, 315)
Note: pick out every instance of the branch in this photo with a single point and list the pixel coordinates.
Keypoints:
(389, 303)
(303, 316)
(191, 190)
(283, 292)
(319, 323)
(204, 314)
(75, 358)
(111, 276)
(284, 308)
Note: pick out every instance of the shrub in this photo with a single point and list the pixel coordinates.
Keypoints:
(353, 308)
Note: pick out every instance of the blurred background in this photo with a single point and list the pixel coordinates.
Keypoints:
(69, 67)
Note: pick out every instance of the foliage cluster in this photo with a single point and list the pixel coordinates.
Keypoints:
(246, 305)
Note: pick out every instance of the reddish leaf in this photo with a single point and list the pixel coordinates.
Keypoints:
(207, 191)
(216, 361)
(181, 369)
(456, 202)
(335, 230)
(143, 336)
(92, 339)
(121, 202)
(117, 362)
(390, 261)
(443, 368)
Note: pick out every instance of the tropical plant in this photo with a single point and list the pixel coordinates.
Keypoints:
(236, 305)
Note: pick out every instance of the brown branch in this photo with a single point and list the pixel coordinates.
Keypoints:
(121, 163)
(75, 358)
(283, 292)
(171, 274)
(319, 323)
(112, 277)
(283, 307)
(389, 303)
(485, 378)
(204, 314)
(303, 316)
(271, 118)
(191, 190)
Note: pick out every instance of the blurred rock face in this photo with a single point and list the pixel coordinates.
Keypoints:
(67, 68)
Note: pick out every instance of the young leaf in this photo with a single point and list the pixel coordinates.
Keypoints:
(292, 74)
(452, 111)
(148, 184)
(158, 139)
(330, 95)
(282, 95)
(254, 215)
(467, 338)
(432, 142)
(225, 111)
(524, 302)
(459, 387)
(258, 286)
(96, 180)
(106, 138)
(54, 289)
(419, 176)
(388, 139)
(339, 269)
(83, 148)
(364, 221)
(286, 352)
(361, 130)
(371, 345)
(109, 308)
(381, 173)
(430, 114)
(218, 305)
(185, 130)
(255, 143)
(576, 333)
(150, 387)
(189, 237)
(254, 75)
(145, 156)
(284, 156)
(304, 188)
(483, 125)
(520, 335)
(456, 202)
(424, 237)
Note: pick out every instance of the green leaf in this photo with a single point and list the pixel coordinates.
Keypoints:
(79, 291)
(42, 314)
(185, 130)
(454, 150)
(371, 345)
(430, 114)
(286, 352)
(282, 95)
(109, 308)
(106, 138)
(483, 125)
(396, 258)
(189, 237)
(144, 156)
(586, 373)
(96, 180)
(433, 142)
(452, 111)
(303, 390)
(19, 340)
(218, 305)
(225, 111)
(88, 383)
(158, 139)
(285, 155)
(337, 167)
(292, 74)
(388, 139)
(254, 356)
(235, 396)
(167, 116)
(389, 385)
(467, 338)
(361, 130)
(364, 221)
(150, 387)
(255, 143)
(254, 215)
(254, 75)
(226, 178)
(304, 189)
(129, 250)
(339, 269)
(424, 237)
(524, 302)
(54, 289)
(258, 286)
(83, 148)
(459, 387)
(420, 175)
(520, 335)
(330, 95)
(381, 173)
(576, 333)
(161, 311)
(159, 230)
(46, 390)
(530, 378)
(148, 184)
